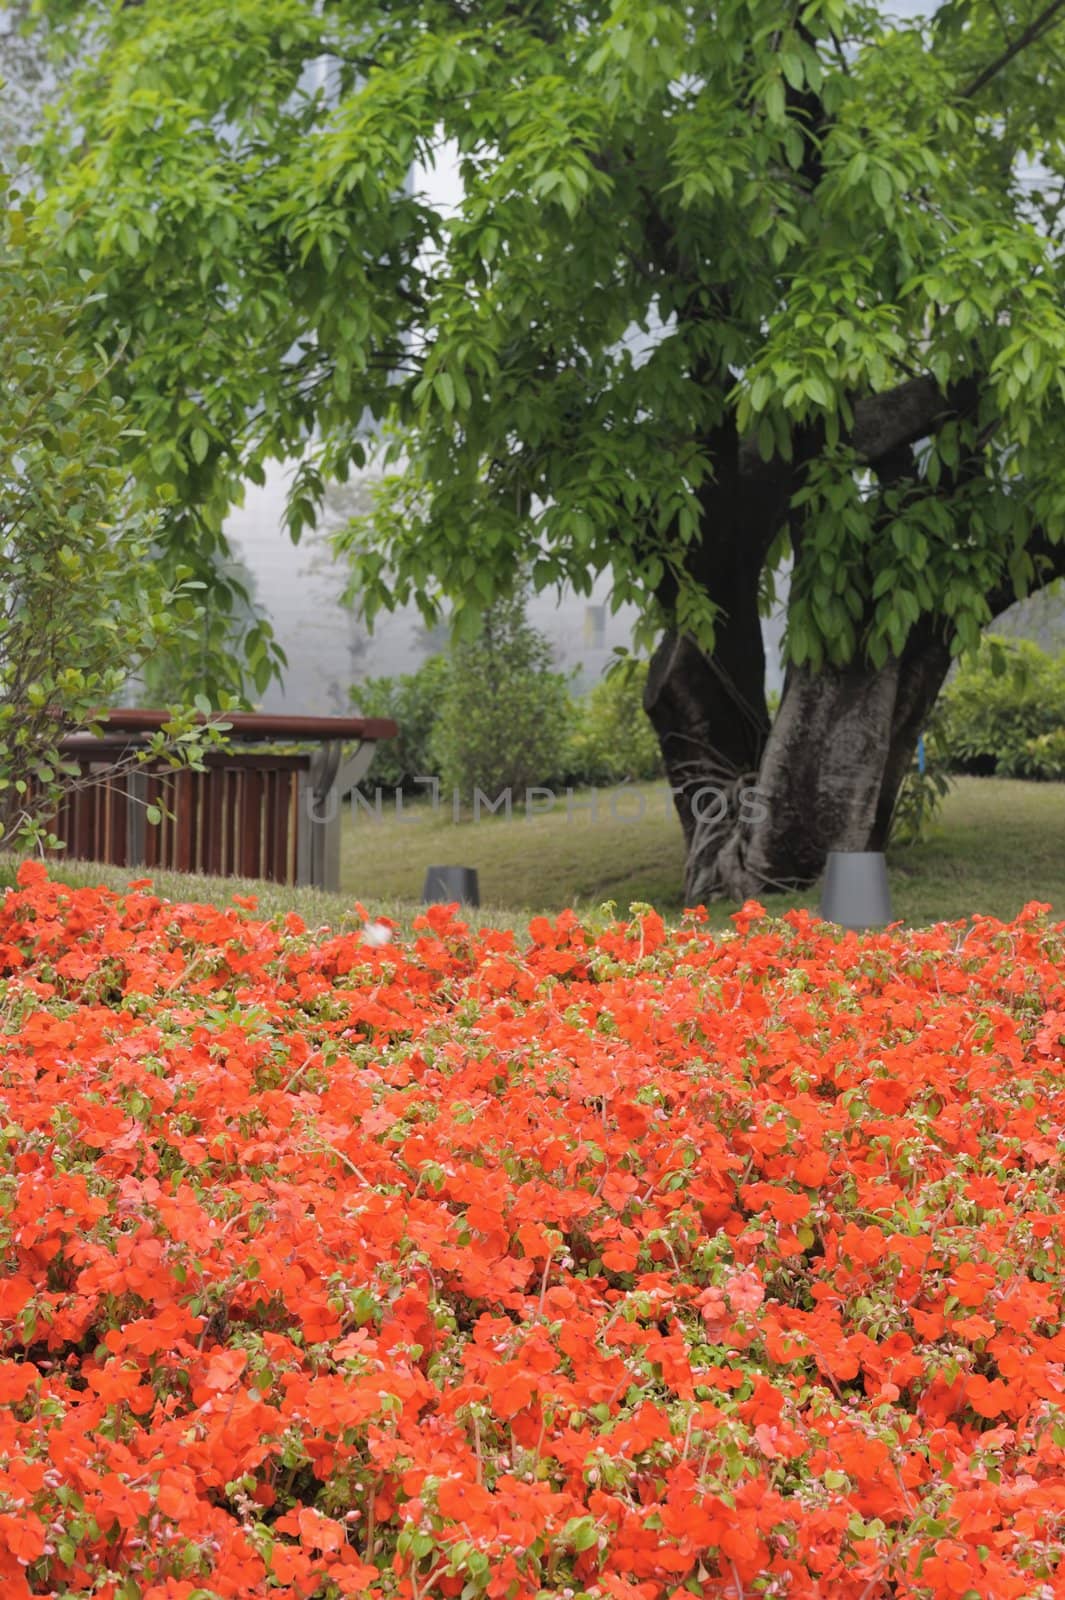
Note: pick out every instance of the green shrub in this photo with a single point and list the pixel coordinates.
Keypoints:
(612, 736)
(1044, 756)
(84, 601)
(920, 798)
(995, 713)
(414, 702)
(505, 716)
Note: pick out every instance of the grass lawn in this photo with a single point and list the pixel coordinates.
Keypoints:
(998, 843)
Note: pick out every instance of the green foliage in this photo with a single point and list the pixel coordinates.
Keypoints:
(82, 601)
(920, 798)
(609, 736)
(612, 738)
(414, 701)
(504, 719)
(1004, 712)
(1044, 755)
(689, 236)
(232, 652)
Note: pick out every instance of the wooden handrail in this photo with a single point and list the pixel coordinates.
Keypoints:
(250, 725)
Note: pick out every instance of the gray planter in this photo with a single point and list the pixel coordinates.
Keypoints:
(855, 892)
(445, 884)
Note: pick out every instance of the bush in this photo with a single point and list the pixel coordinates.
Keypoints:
(83, 602)
(505, 716)
(612, 736)
(413, 700)
(607, 735)
(1044, 756)
(1004, 712)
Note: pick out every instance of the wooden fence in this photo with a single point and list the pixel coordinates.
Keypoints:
(250, 813)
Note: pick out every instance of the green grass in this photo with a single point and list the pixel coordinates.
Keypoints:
(629, 849)
(318, 909)
(997, 844)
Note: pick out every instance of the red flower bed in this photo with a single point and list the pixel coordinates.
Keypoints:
(632, 1264)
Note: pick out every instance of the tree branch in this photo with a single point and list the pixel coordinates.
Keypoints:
(1044, 21)
(910, 411)
(885, 422)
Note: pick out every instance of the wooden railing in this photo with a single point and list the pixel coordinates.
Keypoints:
(250, 813)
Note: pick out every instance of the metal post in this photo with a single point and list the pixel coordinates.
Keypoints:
(136, 821)
(325, 818)
(304, 826)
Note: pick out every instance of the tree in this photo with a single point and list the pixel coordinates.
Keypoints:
(83, 599)
(504, 718)
(726, 284)
(235, 644)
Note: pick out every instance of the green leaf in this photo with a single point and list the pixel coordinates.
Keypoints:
(855, 169)
(761, 389)
(774, 101)
(792, 68)
(581, 1533)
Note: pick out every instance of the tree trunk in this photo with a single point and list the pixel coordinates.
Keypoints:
(839, 749)
(712, 724)
(710, 712)
(819, 784)
(923, 668)
(761, 808)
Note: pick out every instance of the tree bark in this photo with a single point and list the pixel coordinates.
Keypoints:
(712, 725)
(710, 712)
(819, 784)
(835, 760)
(761, 806)
(923, 668)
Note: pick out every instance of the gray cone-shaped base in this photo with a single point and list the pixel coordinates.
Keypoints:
(445, 884)
(855, 892)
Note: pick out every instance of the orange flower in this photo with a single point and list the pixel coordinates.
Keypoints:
(317, 1251)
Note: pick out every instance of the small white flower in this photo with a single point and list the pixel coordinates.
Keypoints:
(377, 933)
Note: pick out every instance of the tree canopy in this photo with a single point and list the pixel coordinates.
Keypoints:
(802, 210)
(725, 284)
